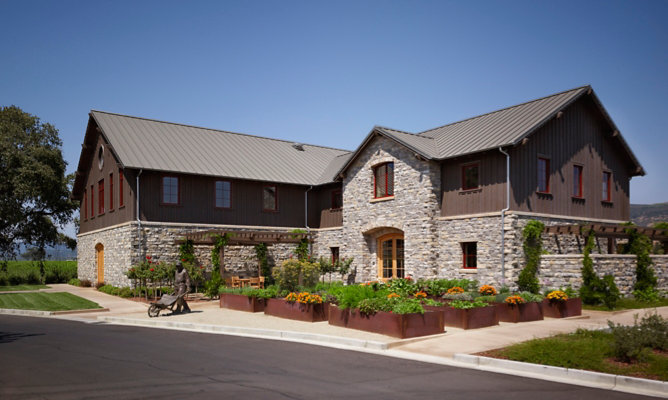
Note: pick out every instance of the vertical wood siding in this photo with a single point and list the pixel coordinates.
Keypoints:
(579, 136)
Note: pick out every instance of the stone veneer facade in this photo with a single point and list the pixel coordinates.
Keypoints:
(158, 241)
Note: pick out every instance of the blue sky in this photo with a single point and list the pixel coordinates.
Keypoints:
(327, 72)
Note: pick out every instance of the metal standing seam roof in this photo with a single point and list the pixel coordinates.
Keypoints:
(162, 146)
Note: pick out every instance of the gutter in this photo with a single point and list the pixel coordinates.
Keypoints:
(308, 230)
(138, 221)
(503, 219)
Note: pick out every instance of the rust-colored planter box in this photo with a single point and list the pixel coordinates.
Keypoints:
(293, 310)
(562, 309)
(396, 325)
(241, 302)
(532, 311)
(471, 318)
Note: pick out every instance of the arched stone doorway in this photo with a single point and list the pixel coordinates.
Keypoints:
(99, 260)
(389, 246)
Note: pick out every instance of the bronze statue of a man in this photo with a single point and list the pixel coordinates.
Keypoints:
(182, 287)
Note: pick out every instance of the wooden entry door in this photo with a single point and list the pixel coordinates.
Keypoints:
(391, 256)
(99, 256)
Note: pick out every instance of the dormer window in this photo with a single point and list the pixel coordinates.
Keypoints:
(383, 180)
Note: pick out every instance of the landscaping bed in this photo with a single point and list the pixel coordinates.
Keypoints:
(562, 309)
(524, 312)
(471, 318)
(387, 323)
(294, 310)
(241, 302)
(59, 301)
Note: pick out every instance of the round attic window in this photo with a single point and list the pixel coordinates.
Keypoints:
(100, 157)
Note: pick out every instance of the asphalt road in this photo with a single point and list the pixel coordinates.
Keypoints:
(44, 358)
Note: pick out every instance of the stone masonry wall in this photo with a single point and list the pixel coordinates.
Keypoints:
(564, 270)
(411, 210)
(158, 241)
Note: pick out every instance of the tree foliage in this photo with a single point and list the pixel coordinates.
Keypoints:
(595, 290)
(34, 191)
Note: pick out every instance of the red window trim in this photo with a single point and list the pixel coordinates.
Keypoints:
(580, 193)
(608, 194)
(92, 201)
(85, 206)
(466, 256)
(121, 201)
(100, 197)
(464, 167)
(546, 177)
(275, 209)
(215, 205)
(111, 191)
(375, 168)
(338, 192)
(162, 191)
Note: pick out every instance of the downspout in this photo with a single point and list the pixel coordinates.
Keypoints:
(308, 230)
(138, 221)
(503, 218)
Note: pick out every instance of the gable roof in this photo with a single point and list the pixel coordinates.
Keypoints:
(163, 146)
(501, 128)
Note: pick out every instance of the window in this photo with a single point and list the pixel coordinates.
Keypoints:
(100, 197)
(121, 202)
(383, 180)
(337, 199)
(391, 256)
(607, 186)
(111, 191)
(543, 175)
(335, 254)
(470, 179)
(92, 202)
(577, 181)
(469, 253)
(269, 198)
(223, 194)
(170, 190)
(84, 212)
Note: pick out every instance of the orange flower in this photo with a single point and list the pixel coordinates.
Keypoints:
(487, 290)
(393, 296)
(557, 295)
(420, 295)
(455, 290)
(514, 300)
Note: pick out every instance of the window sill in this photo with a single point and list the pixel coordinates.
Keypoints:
(468, 270)
(578, 199)
(606, 202)
(544, 194)
(474, 190)
(381, 199)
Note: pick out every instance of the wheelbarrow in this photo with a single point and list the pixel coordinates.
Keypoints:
(166, 301)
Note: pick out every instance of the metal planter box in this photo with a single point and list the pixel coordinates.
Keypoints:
(241, 302)
(471, 318)
(385, 323)
(532, 311)
(562, 309)
(293, 310)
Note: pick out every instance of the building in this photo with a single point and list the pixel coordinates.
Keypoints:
(439, 203)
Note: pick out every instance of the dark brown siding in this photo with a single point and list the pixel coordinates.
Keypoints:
(580, 136)
(113, 216)
(320, 204)
(490, 196)
(197, 202)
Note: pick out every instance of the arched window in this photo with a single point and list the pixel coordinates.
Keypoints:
(391, 256)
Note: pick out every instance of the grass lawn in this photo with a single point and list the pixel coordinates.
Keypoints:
(45, 301)
(16, 288)
(588, 350)
(629, 304)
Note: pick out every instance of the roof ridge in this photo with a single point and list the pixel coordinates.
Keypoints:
(216, 130)
(396, 130)
(504, 109)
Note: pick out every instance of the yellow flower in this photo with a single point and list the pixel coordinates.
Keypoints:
(557, 295)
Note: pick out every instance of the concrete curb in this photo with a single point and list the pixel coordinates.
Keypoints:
(252, 332)
(567, 375)
(37, 313)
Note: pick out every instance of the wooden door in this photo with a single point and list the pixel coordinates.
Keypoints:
(391, 256)
(99, 252)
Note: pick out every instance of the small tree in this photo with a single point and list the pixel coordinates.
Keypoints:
(533, 247)
(641, 246)
(263, 260)
(293, 274)
(595, 290)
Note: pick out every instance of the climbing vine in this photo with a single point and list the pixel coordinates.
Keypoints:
(641, 246)
(533, 247)
(301, 251)
(262, 259)
(595, 290)
(219, 242)
(187, 251)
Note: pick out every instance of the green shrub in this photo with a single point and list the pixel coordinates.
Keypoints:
(465, 305)
(531, 297)
(595, 290)
(641, 246)
(402, 286)
(4, 279)
(648, 295)
(633, 343)
(59, 271)
(167, 289)
(533, 247)
(350, 296)
(397, 305)
(212, 286)
(74, 282)
(294, 273)
(125, 292)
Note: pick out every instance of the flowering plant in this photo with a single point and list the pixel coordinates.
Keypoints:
(308, 298)
(487, 290)
(514, 300)
(557, 295)
(420, 295)
(393, 296)
(455, 290)
(291, 297)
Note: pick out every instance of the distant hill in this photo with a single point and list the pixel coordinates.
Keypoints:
(649, 214)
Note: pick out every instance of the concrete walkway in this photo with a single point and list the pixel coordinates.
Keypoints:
(446, 348)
